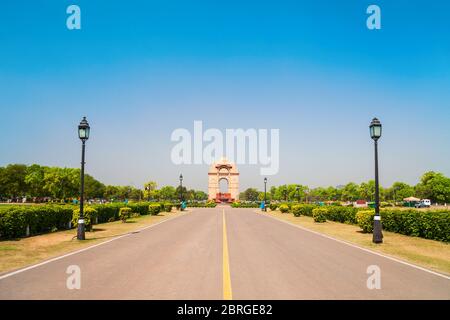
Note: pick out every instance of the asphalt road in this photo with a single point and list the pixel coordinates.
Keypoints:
(224, 253)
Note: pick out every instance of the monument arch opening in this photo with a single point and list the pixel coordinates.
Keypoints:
(223, 185)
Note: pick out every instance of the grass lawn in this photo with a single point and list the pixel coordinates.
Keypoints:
(431, 254)
(22, 252)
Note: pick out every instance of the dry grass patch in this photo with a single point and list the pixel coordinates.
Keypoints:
(430, 254)
(22, 252)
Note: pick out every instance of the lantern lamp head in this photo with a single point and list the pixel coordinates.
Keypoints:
(375, 129)
(84, 129)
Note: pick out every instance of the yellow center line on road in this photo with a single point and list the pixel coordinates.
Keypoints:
(227, 293)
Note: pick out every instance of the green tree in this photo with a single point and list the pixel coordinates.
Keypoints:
(282, 193)
(367, 190)
(93, 188)
(319, 194)
(61, 183)
(12, 180)
(200, 195)
(2, 186)
(400, 191)
(167, 193)
(350, 192)
(35, 180)
(135, 194)
(251, 194)
(111, 193)
(273, 191)
(434, 186)
(149, 190)
(178, 191)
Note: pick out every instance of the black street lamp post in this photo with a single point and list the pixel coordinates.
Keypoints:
(298, 193)
(375, 133)
(181, 188)
(265, 194)
(83, 134)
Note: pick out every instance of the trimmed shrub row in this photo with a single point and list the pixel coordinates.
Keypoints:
(320, 214)
(246, 204)
(14, 221)
(89, 215)
(429, 224)
(107, 212)
(154, 209)
(125, 213)
(303, 209)
(20, 220)
(433, 225)
(209, 204)
(341, 214)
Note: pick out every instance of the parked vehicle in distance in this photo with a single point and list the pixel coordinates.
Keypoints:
(424, 203)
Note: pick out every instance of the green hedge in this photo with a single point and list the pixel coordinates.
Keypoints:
(107, 212)
(168, 207)
(336, 213)
(319, 214)
(284, 208)
(341, 214)
(140, 207)
(433, 225)
(245, 204)
(89, 215)
(209, 204)
(364, 219)
(273, 206)
(296, 210)
(125, 213)
(154, 209)
(38, 219)
(304, 209)
(14, 220)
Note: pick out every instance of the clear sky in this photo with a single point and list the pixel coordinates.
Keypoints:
(140, 69)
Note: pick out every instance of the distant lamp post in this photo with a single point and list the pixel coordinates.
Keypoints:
(181, 188)
(375, 134)
(147, 188)
(298, 193)
(83, 134)
(265, 194)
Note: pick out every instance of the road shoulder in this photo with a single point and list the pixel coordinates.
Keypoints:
(431, 255)
(28, 252)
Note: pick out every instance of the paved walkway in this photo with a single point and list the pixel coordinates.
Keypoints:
(224, 253)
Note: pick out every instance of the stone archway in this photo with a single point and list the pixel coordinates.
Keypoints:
(224, 185)
(223, 169)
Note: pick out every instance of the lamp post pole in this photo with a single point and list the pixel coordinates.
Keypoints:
(375, 131)
(181, 188)
(265, 194)
(83, 134)
(298, 193)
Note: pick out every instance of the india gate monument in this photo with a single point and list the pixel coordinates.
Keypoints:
(223, 170)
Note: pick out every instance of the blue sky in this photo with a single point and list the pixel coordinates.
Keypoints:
(140, 69)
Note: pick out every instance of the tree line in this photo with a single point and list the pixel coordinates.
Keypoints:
(432, 185)
(55, 183)
(38, 182)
